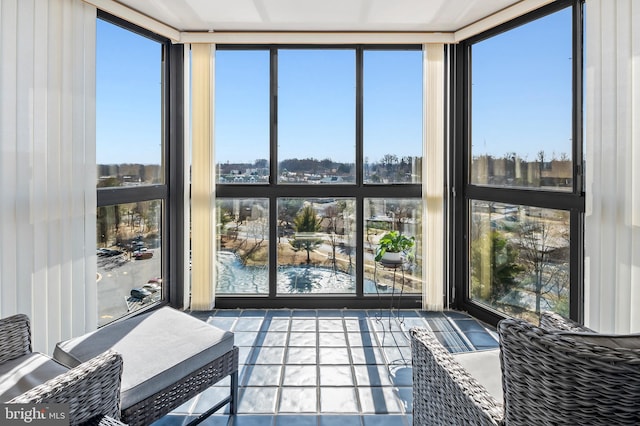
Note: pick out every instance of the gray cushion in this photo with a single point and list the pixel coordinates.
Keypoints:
(26, 372)
(612, 341)
(158, 349)
(484, 366)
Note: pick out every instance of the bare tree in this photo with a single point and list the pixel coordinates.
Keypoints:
(539, 239)
(331, 215)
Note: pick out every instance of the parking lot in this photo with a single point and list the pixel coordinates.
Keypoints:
(117, 275)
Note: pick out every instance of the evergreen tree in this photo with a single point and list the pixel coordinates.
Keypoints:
(306, 224)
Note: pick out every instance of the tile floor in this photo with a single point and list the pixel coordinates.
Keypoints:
(326, 367)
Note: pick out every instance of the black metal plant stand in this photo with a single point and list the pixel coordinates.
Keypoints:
(397, 269)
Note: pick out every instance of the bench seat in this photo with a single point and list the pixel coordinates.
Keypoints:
(168, 357)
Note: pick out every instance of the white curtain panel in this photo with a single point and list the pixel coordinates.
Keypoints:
(47, 166)
(612, 224)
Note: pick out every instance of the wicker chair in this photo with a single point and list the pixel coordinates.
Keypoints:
(445, 393)
(564, 375)
(91, 389)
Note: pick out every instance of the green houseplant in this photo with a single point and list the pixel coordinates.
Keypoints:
(393, 242)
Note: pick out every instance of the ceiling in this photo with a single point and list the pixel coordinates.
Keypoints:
(317, 15)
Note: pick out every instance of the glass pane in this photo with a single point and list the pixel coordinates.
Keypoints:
(243, 246)
(242, 116)
(129, 258)
(387, 218)
(129, 134)
(392, 116)
(316, 245)
(520, 259)
(316, 116)
(522, 106)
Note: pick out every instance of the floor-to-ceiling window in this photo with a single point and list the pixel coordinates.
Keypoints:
(132, 118)
(318, 155)
(521, 166)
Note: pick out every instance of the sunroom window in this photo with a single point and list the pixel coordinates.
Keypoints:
(523, 197)
(131, 169)
(318, 155)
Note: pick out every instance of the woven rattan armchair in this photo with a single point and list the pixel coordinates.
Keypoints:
(91, 389)
(444, 393)
(564, 374)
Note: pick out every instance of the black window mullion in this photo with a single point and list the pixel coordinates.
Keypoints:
(578, 82)
(360, 246)
(273, 116)
(576, 285)
(576, 266)
(273, 246)
(316, 191)
(359, 117)
(123, 195)
(530, 197)
(273, 174)
(359, 172)
(173, 247)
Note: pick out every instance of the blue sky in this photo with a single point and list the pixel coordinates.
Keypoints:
(528, 70)
(128, 97)
(521, 98)
(316, 104)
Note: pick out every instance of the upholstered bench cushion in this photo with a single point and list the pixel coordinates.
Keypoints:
(158, 348)
(26, 372)
(484, 366)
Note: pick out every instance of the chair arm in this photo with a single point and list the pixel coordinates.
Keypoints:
(15, 335)
(443, 391)
(552, 321)
(91, 389)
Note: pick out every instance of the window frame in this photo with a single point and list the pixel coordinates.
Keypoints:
(358, 191)
(464, 191)
(172, 137)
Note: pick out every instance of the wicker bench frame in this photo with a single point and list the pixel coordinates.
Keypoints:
(171, 397)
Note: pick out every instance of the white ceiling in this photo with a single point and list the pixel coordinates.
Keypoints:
(318, 15)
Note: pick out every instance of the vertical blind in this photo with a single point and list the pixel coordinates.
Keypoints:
(612, 223)
(202, 179)
(434, 184)
(48, 167)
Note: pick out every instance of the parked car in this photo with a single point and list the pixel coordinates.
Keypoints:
(103, 252)
(140, 293)
(143, 254)
(151, 287)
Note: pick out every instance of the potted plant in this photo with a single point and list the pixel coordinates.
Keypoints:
(392, 245)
